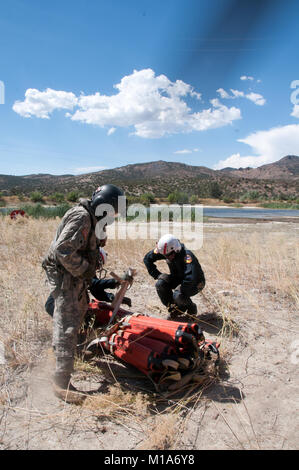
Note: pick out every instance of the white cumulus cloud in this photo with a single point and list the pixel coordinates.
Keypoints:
(223, 93)
(111, 131)
(152, 105)
(246, 77)
(237, 94)
(42, 103)
(266, 147)
(89, 169)
(256, 98)
(237, 161)
(183, 151)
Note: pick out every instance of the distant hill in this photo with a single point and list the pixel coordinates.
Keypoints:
(158, 169)
(139, 175)
(162, 177)
(286, 168)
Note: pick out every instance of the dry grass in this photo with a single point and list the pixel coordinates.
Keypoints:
(242, 264)
(118, 402)
(24, 326)
(262, 260)
(163, 434)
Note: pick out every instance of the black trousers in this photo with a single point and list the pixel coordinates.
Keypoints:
(170, 292)
(98, 287)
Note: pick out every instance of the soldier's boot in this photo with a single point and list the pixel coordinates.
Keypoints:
(64, 390)
(192, 309)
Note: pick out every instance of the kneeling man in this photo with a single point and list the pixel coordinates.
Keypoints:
(186, 277)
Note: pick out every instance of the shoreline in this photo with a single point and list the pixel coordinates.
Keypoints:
(234, 207)
(249, 220)
(249, 207)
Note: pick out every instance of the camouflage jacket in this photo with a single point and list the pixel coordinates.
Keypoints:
(74, 249)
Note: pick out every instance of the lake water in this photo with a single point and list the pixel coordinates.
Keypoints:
(232, 212)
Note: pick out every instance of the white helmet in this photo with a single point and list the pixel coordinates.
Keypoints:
(167, 244)
(103, 256)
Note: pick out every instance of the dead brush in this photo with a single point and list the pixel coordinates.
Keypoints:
(223, 307)
(263, 260)
(163, 434)
(24, 326)
(118, 402)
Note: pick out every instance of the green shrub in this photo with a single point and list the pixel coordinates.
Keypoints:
(215, 190)
(2, 201)
(178, 197)
(283, 197)
(227, 199)
(280, 205)
(244, 198)
(36, 196)
(194, 199)
(147, 199)
(37, 211)
(253, 195)
(57, 197)
(72, 196)
(250, 196)
(132, 200)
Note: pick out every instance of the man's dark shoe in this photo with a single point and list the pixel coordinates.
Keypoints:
(173, 312)
(127, 301)
(192, 309)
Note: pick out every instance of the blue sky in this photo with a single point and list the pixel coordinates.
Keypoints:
(98, 84)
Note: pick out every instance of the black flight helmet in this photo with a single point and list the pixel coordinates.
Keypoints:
(107, 194)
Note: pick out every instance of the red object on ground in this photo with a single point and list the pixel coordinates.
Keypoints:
(15, 213)
(178, 335)
(158, 346)
(103, 311)
(153, 345)
(140, 356)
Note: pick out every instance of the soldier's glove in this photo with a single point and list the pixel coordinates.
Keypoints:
(127, 301)
(164, 277)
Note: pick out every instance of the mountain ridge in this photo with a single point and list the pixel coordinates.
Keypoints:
(160, 177)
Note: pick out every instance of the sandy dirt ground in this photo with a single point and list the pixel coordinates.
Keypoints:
(253, 405)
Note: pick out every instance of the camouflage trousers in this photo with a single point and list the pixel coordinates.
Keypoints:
(71, 303)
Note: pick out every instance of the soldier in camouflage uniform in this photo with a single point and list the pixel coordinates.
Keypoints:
(97, 287)
(70, 265)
